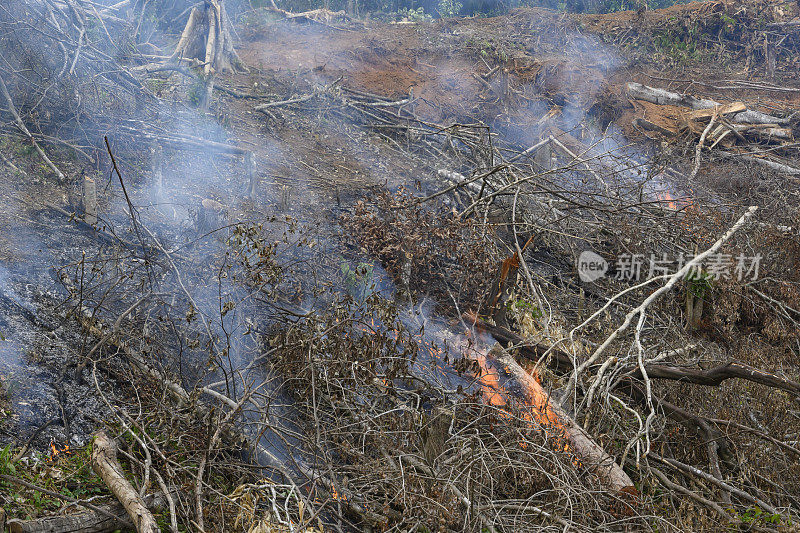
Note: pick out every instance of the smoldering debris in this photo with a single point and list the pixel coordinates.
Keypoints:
(276, 278)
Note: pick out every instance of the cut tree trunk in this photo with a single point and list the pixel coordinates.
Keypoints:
(664, 97)
(105, 464)
(587, 450)
(89, 201)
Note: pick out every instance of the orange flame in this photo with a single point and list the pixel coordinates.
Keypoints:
(490, 383)
(336, 496)
(540, 413)
(667, 197)
(55, 451)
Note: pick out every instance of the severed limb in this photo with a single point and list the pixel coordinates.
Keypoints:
(699, 149)
(105, 464)
(716, 375)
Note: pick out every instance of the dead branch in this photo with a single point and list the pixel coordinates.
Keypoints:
(105, 464)
(85, 522)
(692, 494)
(649, 126)
(97, 509)
(639, 310)
(298, 100)
(534, 351)
(780, 167)
(699, 149)
(716, 375)
(696, 472)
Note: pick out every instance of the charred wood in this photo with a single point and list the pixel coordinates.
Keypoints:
(588, 451)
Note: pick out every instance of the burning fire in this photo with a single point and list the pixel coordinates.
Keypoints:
(490, 383)
(667, 197)
(539, 415)
(55, 452)
(676, 204)
(336, 496)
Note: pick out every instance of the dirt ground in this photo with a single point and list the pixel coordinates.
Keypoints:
(514, 73)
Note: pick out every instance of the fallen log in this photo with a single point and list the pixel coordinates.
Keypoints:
(792, 25)
(105, 464)
(460, 180)
(84, 522)
(658, 96)
(766, 132)
(587, 450)
(664, 97)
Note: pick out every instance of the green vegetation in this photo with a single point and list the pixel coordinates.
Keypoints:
(358, 279)
(699, 283)
(755, 516)
(524, 306)
(69, 473)
(413, 15)
(449, 8)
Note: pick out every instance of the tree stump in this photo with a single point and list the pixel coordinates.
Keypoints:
(252, 179)
(90, 201)
(210, 216)
(207, 42)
